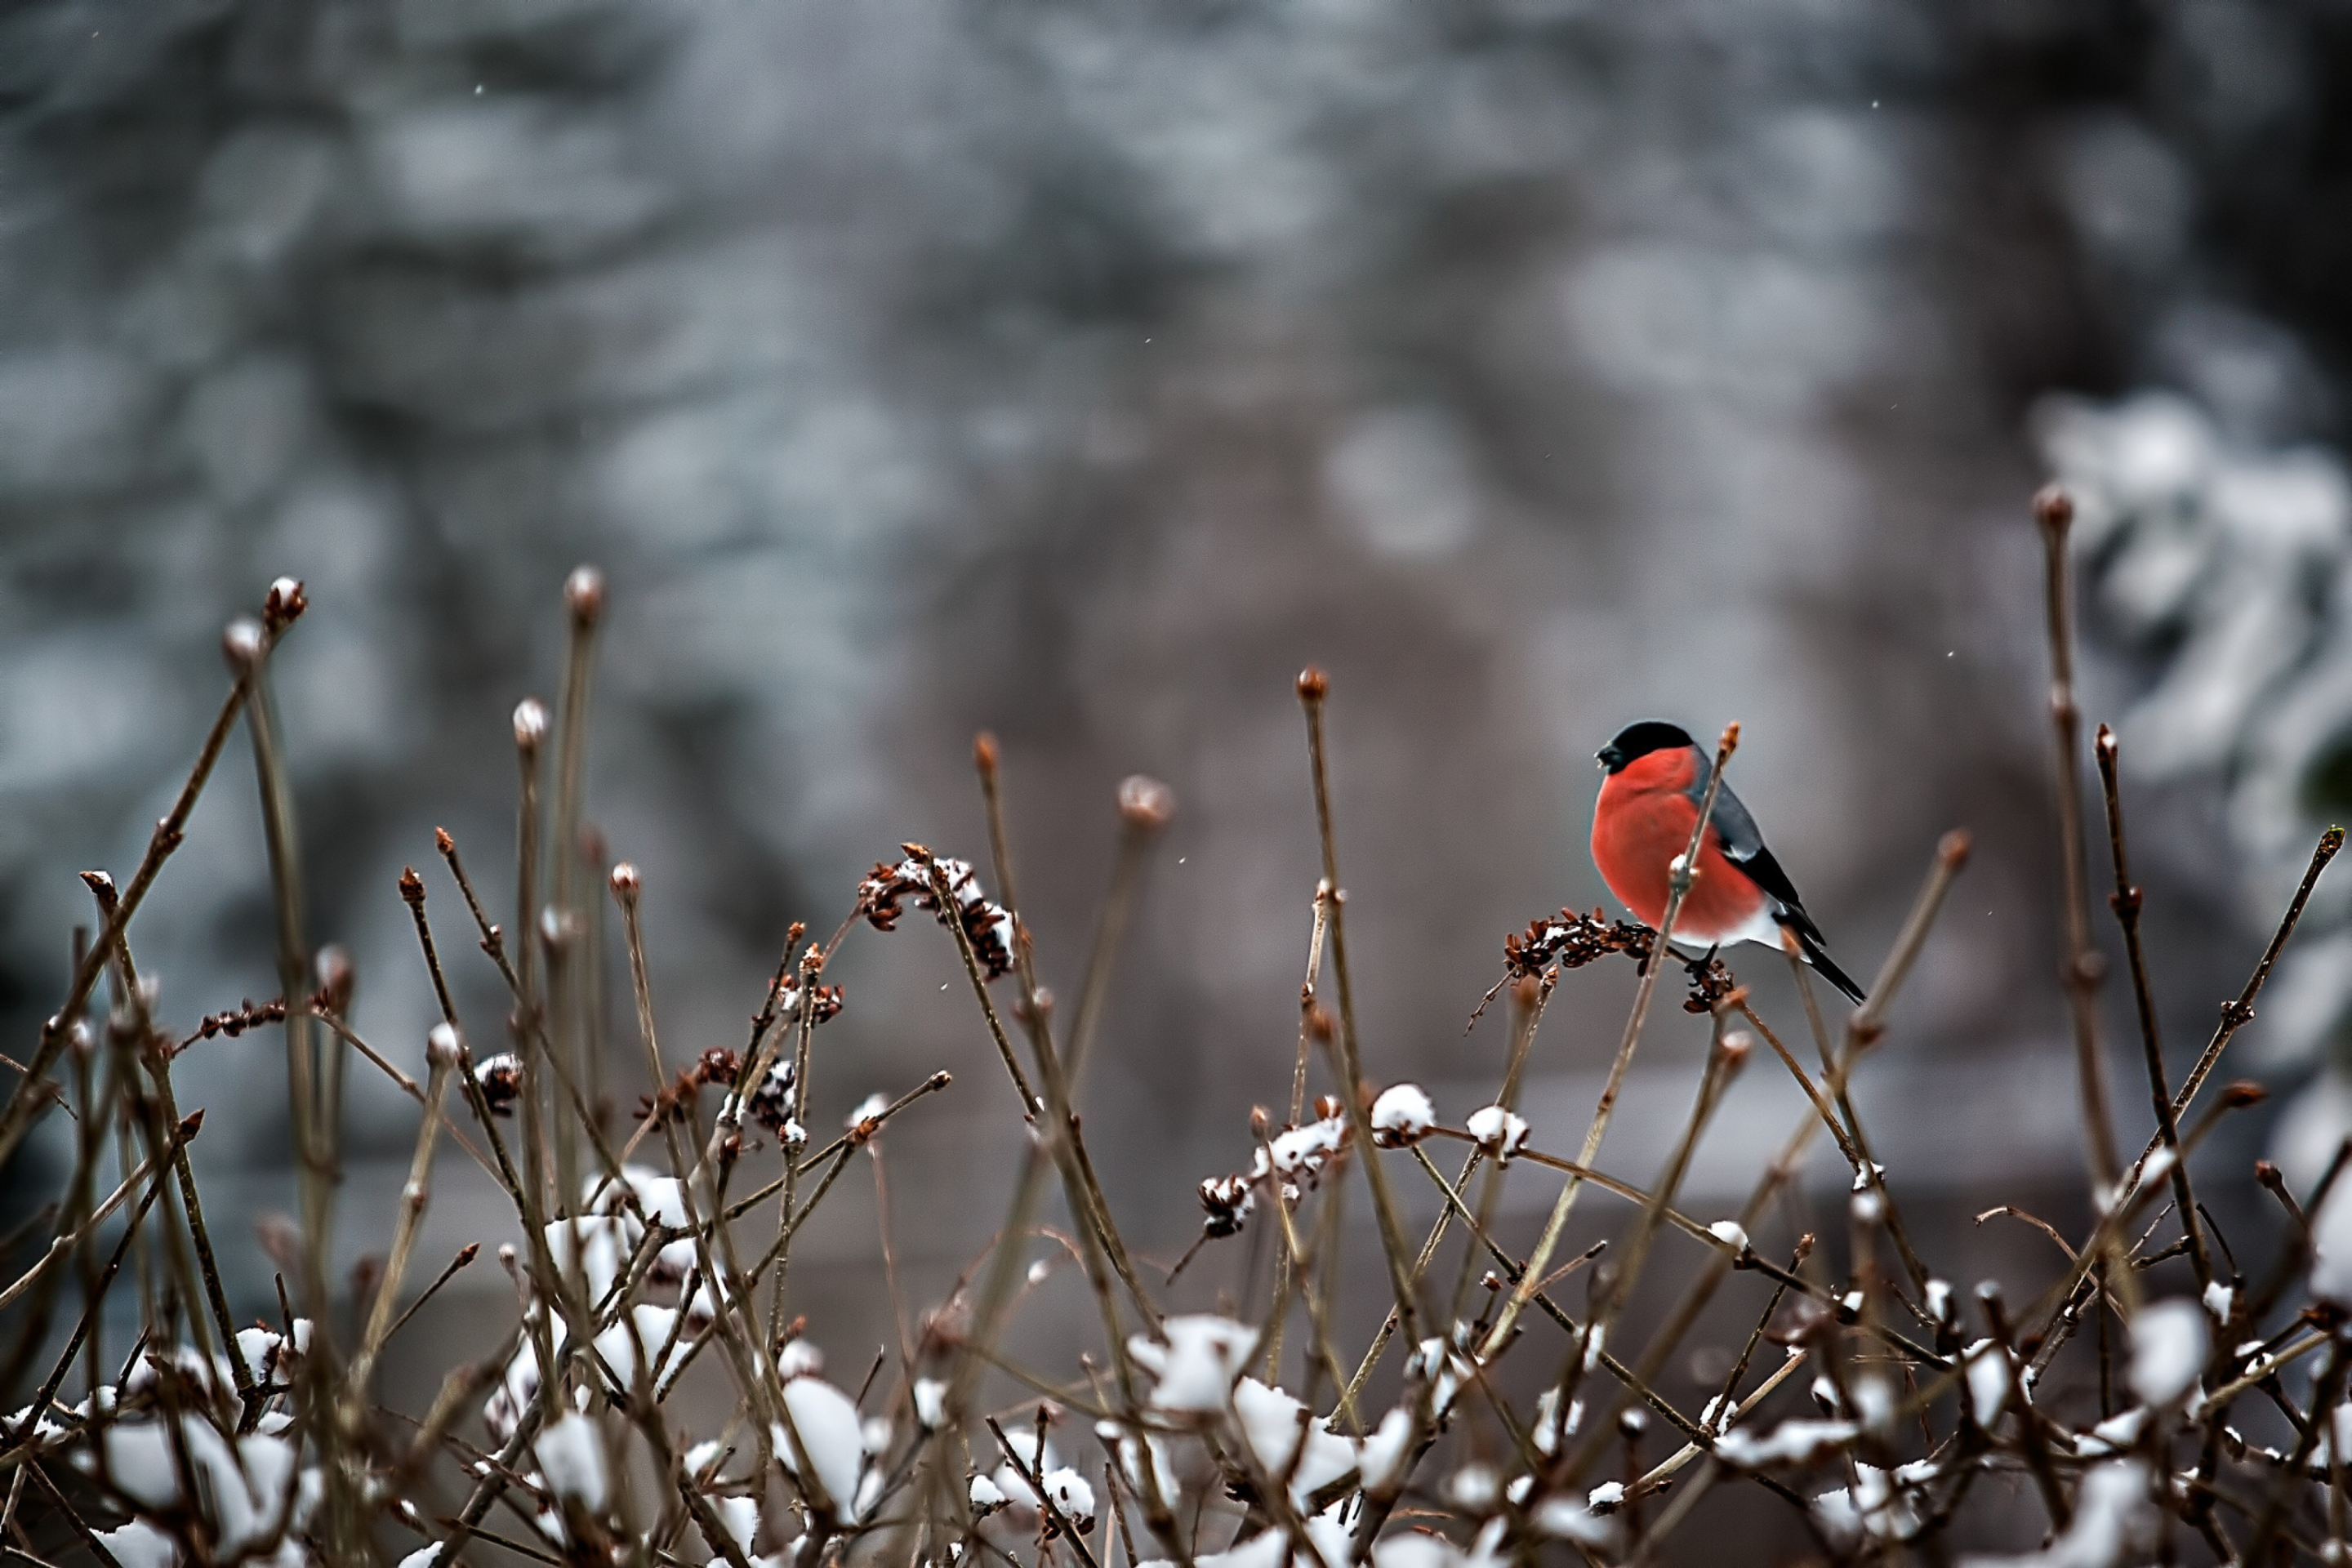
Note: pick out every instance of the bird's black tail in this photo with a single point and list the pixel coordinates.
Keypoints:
(1819, 957)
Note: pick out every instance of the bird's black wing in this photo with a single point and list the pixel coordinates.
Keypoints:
(1743, 845)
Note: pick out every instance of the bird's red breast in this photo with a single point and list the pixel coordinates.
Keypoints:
(1644, 820)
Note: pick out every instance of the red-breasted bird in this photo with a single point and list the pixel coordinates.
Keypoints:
(1649, 804)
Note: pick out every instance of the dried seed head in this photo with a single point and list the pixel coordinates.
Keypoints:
(529, 724)
(443, 1048)
(583, 593)
(625, 882)
(501, 1081)
(1145, 801)
(2053, 508)
(243, 643)
(1225, 1205)
(284, 605)
(1313, 684)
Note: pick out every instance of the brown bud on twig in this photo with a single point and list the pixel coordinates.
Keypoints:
(983, 754)
(627, 884)
(530, 725)
(1313, 684)
(2053, 508)
(2238, 1096)
(411, 887)
(583, 594)
(1146, 803)
(243, 644)
(1952, 849)
(442, 841)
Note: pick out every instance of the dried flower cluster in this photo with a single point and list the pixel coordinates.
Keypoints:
(987, 926)
(1570, 941)
(1494, 1417)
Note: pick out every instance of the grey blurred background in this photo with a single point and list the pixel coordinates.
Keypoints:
(1080, 371)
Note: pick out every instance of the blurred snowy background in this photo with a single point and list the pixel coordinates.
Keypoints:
(1080, 373)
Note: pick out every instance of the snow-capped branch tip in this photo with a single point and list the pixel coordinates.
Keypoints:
(243, 643)
(627, 884)
(443, 1049)
(583, 595)
(1502, 1133)
(1144, 801)
(530, 725)
(283, 605)
(1402, 1116)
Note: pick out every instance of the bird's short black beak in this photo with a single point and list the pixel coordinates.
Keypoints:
(1610, 758)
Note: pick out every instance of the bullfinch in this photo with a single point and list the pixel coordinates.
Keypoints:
(1649, 804)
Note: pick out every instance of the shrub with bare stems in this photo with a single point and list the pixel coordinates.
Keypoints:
(1476, 1427)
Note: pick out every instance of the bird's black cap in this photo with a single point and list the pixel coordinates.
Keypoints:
(1639, 740)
